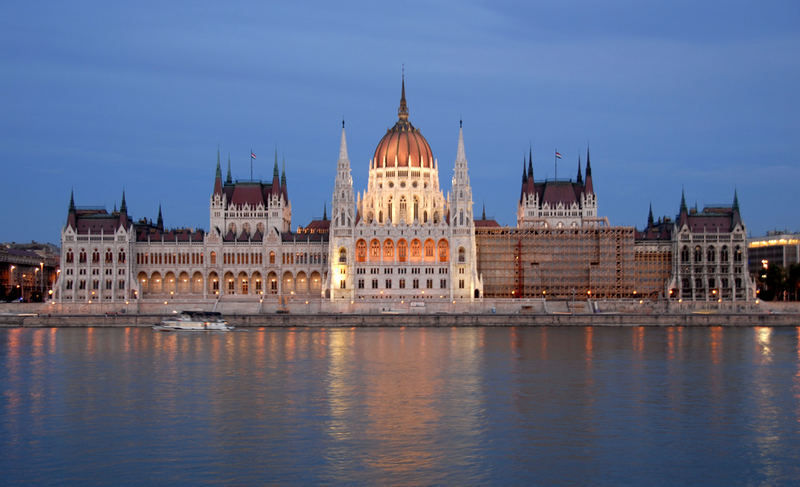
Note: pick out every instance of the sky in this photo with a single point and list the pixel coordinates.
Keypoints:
(671, 96)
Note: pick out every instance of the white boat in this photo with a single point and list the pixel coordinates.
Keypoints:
(194, 321)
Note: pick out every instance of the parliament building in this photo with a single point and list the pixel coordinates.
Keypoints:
(400, 242)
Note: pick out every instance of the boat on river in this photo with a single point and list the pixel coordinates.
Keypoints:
(194, 321)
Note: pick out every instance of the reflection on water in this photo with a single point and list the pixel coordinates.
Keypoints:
(401, 406)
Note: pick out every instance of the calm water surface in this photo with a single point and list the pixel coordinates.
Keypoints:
(511, 406)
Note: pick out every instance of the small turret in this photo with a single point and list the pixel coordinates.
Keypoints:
(123, 212)
(580, 177)
(589, 187)
(160, 221)
(218, 178)
(72, 216)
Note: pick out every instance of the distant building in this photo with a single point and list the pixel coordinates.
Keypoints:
(776, 248)
(27, 271)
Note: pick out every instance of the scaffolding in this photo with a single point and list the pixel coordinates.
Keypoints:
(653, 268)
(561, 263)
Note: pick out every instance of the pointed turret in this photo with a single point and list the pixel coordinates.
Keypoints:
(483, 212)
(683, 213)
(218, 177)
(324, 211)
(650, 217)
(160, 221)
(72, 216)
(736, 217)
(524, 171)
(580, 177)
(123, 212)
(589, 187)
(530, 162)
(228, 178)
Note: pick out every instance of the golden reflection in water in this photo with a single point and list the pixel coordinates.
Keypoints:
(638, 341)
(797, 377)
(53, 337)
(670, 343)
(715, 343)
(763, 341)
(588, 335)
(90, 340)
(402, 395)
(291, 344)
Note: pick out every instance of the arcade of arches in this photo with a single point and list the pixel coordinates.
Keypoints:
(242, 283)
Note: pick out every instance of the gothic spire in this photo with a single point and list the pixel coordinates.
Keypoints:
(580, 177)
(683, 202)
(123, 207)
(483, 212)
(402, 111)
(650, 216)
(588, 187)
(524, 172)
(735, 200)
(461, 154)
(228, 178)
(72, 200)
(219, 171)
(283, 173)
(343, 146)
(160, 221)
(324, 211)
(530, 162)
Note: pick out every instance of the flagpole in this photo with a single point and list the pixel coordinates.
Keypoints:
(251, 164)
(555, 163)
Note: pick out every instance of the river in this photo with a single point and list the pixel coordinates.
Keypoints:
(401, 406)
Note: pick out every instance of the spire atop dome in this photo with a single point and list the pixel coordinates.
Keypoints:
(402, 111)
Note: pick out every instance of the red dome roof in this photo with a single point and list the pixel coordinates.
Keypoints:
(403, 145)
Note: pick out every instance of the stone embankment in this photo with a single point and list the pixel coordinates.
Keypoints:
(422, 320)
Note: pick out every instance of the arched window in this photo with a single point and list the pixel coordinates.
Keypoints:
(723, 254)
(461, 255)
(444, 250)
(121, 257)
(388, 250)
(737, 254)
(685, 254)
(698, 254)
(95, 257)
(425, 216)
(416, 249)
(361, 251)
(403, 205)
(416, 208)
(429, 250)
(435, 217)
(342, 255)
(70, 256)
(109, 256)
(271, 257)
(389, 213)
(402, 250)
(213, 258)
(380, 216)
(374, 250)
(710, 254)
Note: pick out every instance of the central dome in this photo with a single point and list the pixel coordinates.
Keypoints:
(403, 145)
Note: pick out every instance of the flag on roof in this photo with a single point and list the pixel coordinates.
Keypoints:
(252, 155)
(558, 155)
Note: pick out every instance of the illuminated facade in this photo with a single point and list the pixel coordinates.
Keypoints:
(401, 239)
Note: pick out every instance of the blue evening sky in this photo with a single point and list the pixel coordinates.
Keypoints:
(101, 96)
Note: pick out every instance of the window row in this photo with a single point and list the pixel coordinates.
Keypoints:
(96, 255)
